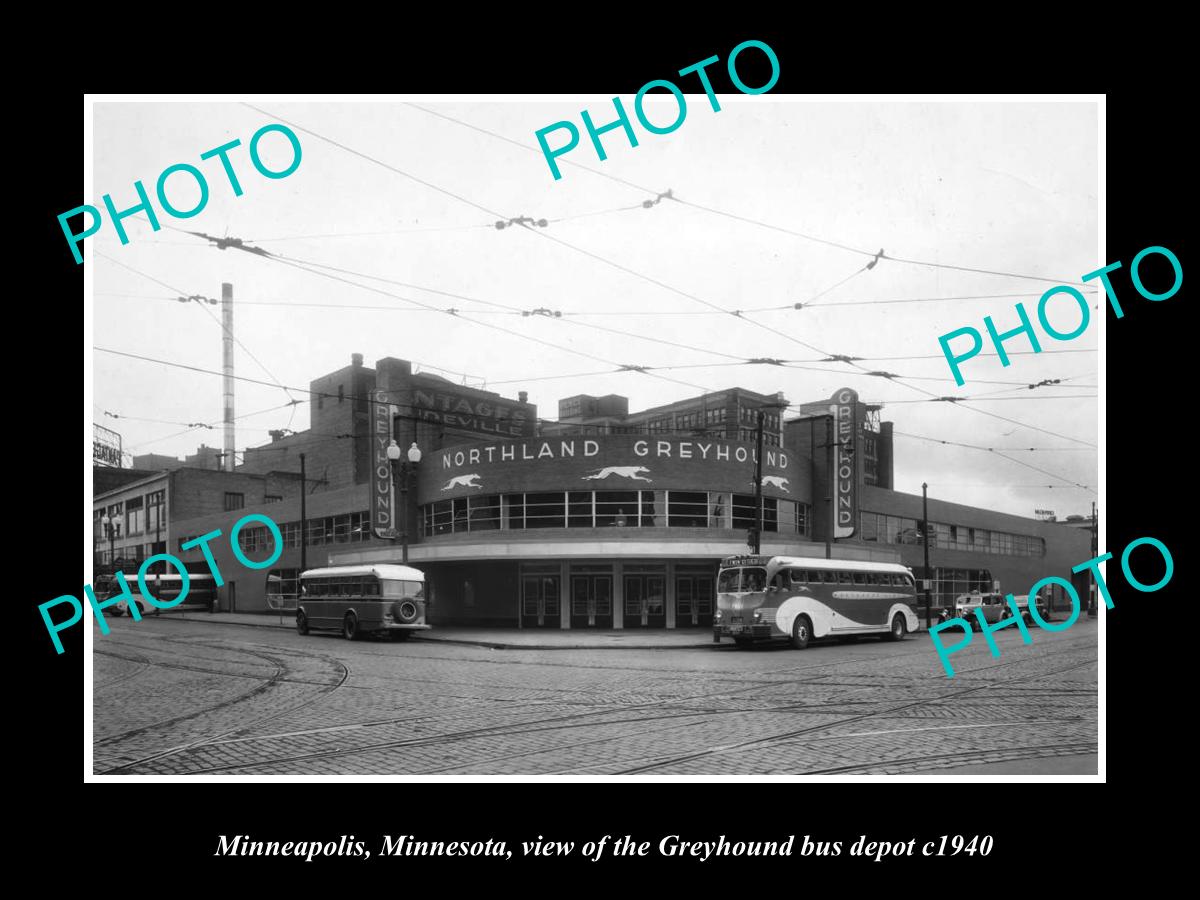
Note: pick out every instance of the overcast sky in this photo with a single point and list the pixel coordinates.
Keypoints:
(1008, 187)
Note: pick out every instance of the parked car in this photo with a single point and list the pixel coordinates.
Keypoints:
(993, 606)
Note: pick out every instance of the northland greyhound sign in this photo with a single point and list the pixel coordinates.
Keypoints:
(607, 463)
(383, 505)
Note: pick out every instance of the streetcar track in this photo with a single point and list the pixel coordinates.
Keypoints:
(967, 756)
(771, 739)
(590, 717)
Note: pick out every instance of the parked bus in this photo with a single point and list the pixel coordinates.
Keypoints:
(201, 592)
(358, 600)
(800, 599)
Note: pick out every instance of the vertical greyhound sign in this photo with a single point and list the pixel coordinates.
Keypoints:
(383, 498)
(845, 414)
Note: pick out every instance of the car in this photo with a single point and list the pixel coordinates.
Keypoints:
(994, 607)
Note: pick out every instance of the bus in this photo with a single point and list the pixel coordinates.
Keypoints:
(800, 599)
(361, 600)
(164, 587)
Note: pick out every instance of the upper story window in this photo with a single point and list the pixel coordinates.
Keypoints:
(234, 501)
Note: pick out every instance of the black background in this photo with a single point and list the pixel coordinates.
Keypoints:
(166, 832)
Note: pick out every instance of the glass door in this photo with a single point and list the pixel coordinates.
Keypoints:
(591, 601)
(539, 601)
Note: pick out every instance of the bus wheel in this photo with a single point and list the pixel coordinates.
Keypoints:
(899, 629)
(350, 627)
(801, 632)
(302, 623)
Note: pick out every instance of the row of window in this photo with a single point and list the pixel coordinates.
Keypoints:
(753, 578)
(887, 529)
(348, 528)
(612, 509)
(135, 515)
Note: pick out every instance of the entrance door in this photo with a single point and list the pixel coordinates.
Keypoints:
(591, 601)
(539, 601)
(645, 603)
(693, 600)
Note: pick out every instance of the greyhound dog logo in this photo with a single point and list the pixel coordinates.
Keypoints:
(776, 481)
(631, 472)
(462, 481)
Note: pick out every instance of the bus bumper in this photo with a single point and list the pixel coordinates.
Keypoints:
(400, 627)
(758, 631)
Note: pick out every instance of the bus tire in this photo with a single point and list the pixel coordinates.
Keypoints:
(801, 632)
(899, 628)
(301, 622)
(350, 627)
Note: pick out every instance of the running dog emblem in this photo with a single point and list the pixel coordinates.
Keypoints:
(462, 481)
(777, 481)
(631, 472)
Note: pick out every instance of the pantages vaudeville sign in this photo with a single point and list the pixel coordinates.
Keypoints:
(466, 410)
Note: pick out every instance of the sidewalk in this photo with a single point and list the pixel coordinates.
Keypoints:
(496, 638)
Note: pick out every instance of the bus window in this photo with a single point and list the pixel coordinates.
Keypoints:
(799, 576)
(845, 578)
(860, 578)
(753, 579)
(399, 590)
(729, 581)
(828, 576)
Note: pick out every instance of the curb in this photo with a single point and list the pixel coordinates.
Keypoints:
(491, 645)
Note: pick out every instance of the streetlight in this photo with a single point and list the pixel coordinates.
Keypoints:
(925, 541)
(110, 529)
(400, 477)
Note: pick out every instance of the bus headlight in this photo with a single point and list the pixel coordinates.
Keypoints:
(717, 616)
(757, 616)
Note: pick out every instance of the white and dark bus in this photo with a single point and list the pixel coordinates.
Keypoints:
(360, 600)
(201, 593)
(800, 599)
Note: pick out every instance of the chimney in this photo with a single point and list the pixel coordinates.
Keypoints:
(523, 396)
(356, 360)
(276, 436)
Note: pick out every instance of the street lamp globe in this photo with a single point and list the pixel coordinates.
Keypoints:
(393, 451)
(414, 453)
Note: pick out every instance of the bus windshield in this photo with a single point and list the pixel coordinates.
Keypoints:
(733, 581)
(398, 590)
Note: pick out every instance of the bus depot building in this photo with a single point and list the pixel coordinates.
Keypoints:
(602, 518)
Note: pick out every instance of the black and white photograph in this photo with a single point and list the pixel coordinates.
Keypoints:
(702, 433)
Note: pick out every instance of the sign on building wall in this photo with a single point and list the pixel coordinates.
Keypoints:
(467, 411)
(845, 431)
(383, 497)
(106, 447)
(609, 463)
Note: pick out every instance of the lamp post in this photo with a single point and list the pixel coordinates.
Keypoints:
(110, 529)
(400, 477)
(925, 541)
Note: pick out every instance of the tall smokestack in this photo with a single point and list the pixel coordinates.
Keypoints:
(227, 371)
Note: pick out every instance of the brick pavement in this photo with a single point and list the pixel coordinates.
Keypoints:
(175, 697)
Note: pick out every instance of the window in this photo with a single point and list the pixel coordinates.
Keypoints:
(616, 509)
(135, 516)
(155, 509)
(234, 501)
(483, 513)
(845, 578)
(654, 509)
(579, 509)
(272, 498)
(687, 509)
(545, 510)
(513, 510)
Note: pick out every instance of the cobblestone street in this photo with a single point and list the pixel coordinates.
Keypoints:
(185, 697)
